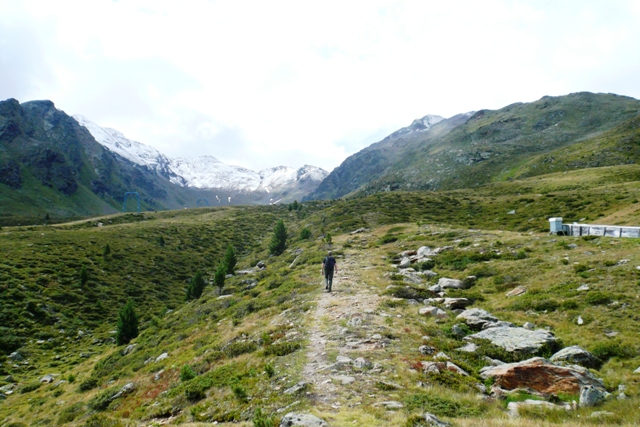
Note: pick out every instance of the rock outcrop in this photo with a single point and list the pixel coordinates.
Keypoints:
(542, 376)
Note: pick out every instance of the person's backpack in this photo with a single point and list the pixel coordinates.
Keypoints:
(329, 262)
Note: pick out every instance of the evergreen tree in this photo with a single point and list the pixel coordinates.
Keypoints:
(195, 287)
(230, 259)
(279, 239)
(107, 250)
(219, 276)
(127, 324)
(305, 234)
(84, 276)
(161, 241)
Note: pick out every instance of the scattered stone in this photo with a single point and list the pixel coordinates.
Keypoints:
(591, 396)
(425, 251)
(455, 303)
(498, 324)
(361, 363)
(261, 265)
(432, 420)
(128, 349)
(516, 339)
(637, 371)
(162, 357)
(404, 262)
(360, 230)
(126, 389)
(59, 383)
(301, 386)
(542, 376)
(622, 396)
(457, 331)
(302, 420)
(493, 362)
(355, 321)
(438, 367)
(576, 355)
(390, 405)
(516, 291)
(623, 261)
(441, 356)
(469, 348)
(15, 356)
(426, 349)
(512, 212)
(343, 362)
(445, 283)
(530, 326)
(49, 378)
(9, 379)
(584, 287)
(8, 389)
(432, 311)
(611, 334)
(158, 375)
(344, 379)
(476, 317)
(572, 246)
(580, 321)
(513, 407)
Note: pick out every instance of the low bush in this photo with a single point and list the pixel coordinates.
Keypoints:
(282, 348)
(442, 406)
(237, 348)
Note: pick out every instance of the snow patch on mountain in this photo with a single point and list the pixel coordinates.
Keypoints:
(206, 171)
(418, 125)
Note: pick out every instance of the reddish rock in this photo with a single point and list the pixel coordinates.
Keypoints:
(542, 376)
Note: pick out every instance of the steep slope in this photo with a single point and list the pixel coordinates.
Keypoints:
(478, 149)
(52, 165)
(219, 181)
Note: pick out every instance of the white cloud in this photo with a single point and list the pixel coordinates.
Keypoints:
(287, 82)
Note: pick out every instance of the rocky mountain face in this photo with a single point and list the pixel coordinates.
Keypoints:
(51, 163)
(489, 145)
(270, 185)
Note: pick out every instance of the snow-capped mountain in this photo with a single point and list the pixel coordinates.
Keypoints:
(418, 125)
(207, 172)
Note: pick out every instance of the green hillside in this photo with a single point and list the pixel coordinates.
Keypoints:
(492, 145)
(273, 339)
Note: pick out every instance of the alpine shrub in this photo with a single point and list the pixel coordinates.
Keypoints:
(127, 324)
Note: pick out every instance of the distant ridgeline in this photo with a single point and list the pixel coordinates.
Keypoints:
(54, 168)
(553, 134)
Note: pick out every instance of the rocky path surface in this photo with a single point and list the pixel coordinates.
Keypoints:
(339, 336)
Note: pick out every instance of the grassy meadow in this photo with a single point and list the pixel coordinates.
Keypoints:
(232, 352)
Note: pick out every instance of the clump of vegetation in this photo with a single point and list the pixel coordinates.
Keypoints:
(127, 328)
(220, 276)
(305, 233)
(187, 373)
(230, 260)
(282, 348)
(278, 239)
(195, 287)
(262, 420)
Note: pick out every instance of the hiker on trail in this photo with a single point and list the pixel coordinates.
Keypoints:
(328, 268)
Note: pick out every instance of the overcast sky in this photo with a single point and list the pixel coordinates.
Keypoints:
(267, 83)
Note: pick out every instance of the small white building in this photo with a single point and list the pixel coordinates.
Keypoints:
(557, 227)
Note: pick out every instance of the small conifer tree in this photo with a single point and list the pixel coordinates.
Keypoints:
(127, 324)
(161, 241)
(195, 287)
(305, 234)
(219, 276)
(279, 239)
(107, 250)
(230, 259)
(84, 276)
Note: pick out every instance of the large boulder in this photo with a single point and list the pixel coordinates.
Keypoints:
(456, 303)
(302, 420)
(476, 318)
(542, 376)
(446, 283)
(577, 355)
(592, 396)
(516, 339)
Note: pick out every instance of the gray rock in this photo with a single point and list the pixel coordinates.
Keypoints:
(344, 379)
(261, 265)
(637, 371)
(15, 356)
(457, 331)
(432, 311)
(158, 375)
(9, 379)
(516, 339)
(162, 357)
(432, 420)
(302, 420)
(8, 389)
(455, 303)
(601, 414)
(583, 288)
(404, 262)
(476, 317)
(343, 362)
(578, 355)
(425, 251)
(128, 349)
(530, 326)
(302, 385)
(469, 348)
(499, 324)
(426, 349)
(126, 389)
(591, 396)
(361, 363)
(355, 321)
(446, 283)
(49, 378)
